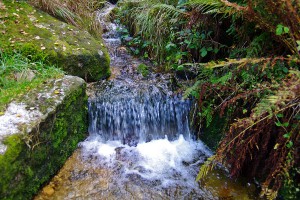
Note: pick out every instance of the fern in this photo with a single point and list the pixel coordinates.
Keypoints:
(208, 6)
(192, 91)
(257, 45)
(223, 79)
(206, 167)
(207, 114)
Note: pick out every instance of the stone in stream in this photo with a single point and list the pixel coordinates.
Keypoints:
(48, 190)
(38, 132)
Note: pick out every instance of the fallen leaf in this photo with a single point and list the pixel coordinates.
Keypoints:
(2, 6)
(15, 14)
(56, 92)
(23, 32)
(18, 115)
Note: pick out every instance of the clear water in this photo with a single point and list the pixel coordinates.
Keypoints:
(140, 145)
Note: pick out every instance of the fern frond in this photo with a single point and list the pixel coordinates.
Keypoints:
(206, 167)
(189, 91)
(211, 7)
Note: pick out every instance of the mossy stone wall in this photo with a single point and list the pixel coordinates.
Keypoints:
(31, 159)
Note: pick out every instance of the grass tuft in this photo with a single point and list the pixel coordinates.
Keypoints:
(80, 13)
(18, 75)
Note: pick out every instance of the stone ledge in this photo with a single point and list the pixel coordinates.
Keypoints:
(38, 133)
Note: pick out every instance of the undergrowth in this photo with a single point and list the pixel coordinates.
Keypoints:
(18, 75)
(262, 137)
(245, 57)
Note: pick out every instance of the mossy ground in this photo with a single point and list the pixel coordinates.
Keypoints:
(42, 37)
(31, 159)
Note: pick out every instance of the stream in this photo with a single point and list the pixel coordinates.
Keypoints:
(139, 145)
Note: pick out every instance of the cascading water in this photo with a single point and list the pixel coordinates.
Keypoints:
(134, 115)
(130, 108)
(139, 128)
(140, 146)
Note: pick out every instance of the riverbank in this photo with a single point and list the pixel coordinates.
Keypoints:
(42, 111)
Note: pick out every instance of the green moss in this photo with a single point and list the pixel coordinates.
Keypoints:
(40, 36)
(143, 69)
(213, 133)
(31, 160)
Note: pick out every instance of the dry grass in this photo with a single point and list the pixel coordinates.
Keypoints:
(80, 13)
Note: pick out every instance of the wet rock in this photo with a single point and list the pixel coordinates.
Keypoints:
(26, 75)
(186, 74)
(127, 39)
(48, 190)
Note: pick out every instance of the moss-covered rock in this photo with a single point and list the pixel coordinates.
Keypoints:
(38, 133)
(42, 37)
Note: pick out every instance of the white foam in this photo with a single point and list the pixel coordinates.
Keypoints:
(168, 162)
(159, 154)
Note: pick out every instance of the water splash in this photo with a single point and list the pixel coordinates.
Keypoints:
(154, 167)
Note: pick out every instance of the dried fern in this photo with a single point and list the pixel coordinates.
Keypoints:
(257, 143)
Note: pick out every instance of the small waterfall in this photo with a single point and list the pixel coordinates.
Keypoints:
(132, 108)
(138, 114)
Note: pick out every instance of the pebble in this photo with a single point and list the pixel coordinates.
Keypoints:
(48, 190)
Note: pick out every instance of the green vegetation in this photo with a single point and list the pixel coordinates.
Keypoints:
(143, 69)
(18, 75)
(40, 36)
(245, 56)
